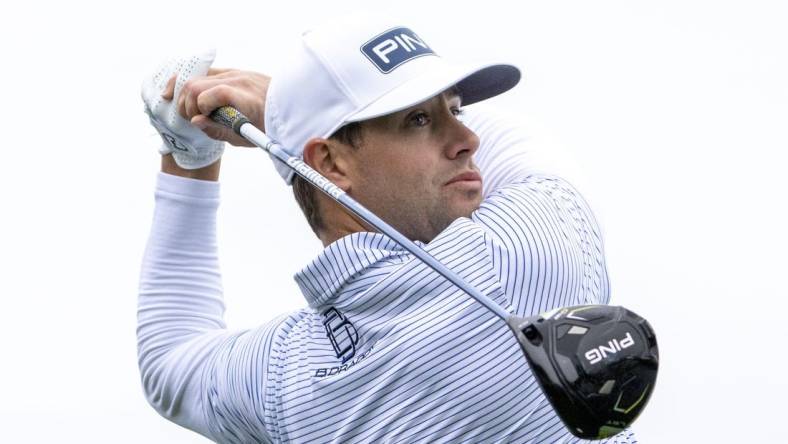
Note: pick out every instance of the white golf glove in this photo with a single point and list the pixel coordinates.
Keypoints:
(190, 147)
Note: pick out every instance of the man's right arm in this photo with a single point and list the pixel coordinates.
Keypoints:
(545, 242)
(507, 153)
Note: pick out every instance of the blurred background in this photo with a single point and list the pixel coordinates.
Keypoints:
(669, 116)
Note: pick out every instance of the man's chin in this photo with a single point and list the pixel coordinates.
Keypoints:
(473, 205)
(467, 210)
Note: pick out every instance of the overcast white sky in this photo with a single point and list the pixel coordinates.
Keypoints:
(670, 116)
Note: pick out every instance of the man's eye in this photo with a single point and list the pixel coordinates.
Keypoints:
(458, 113)
(420, 119)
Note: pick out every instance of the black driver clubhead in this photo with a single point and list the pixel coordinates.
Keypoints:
(597, 365)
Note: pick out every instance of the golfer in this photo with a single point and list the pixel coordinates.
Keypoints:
(385, 350)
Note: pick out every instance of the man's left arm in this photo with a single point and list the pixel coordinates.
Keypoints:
(180, 305)
(185, 353)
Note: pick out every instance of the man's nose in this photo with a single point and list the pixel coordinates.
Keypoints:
(461, 141)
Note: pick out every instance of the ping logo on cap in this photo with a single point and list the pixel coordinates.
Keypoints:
(395, 47)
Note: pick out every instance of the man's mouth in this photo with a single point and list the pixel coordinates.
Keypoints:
(470, 176)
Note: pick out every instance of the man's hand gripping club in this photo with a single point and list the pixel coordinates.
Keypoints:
(178, 98)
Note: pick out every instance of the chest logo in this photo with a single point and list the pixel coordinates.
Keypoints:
(341, 333)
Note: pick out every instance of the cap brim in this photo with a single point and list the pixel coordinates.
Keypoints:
(476, 83)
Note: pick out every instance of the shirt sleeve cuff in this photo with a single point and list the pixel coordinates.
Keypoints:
(187, 187)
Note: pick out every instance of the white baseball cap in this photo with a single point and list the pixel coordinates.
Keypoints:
(359, 68)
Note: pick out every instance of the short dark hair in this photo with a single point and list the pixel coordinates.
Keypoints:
(306, 194)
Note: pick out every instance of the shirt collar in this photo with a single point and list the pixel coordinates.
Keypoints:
(341, 261)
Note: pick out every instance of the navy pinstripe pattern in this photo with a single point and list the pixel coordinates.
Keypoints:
(441, 368)
(429, 364)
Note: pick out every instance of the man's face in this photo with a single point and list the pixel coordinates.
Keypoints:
(415, 169)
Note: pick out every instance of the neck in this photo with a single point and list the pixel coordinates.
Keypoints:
(338, 222)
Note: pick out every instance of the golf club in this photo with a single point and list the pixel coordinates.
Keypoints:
(597, 364)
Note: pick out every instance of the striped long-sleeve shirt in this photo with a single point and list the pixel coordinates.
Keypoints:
(387, 350)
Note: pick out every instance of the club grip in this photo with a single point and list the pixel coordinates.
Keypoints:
(229, 117)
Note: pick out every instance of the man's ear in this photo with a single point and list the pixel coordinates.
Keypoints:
(329, 158)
